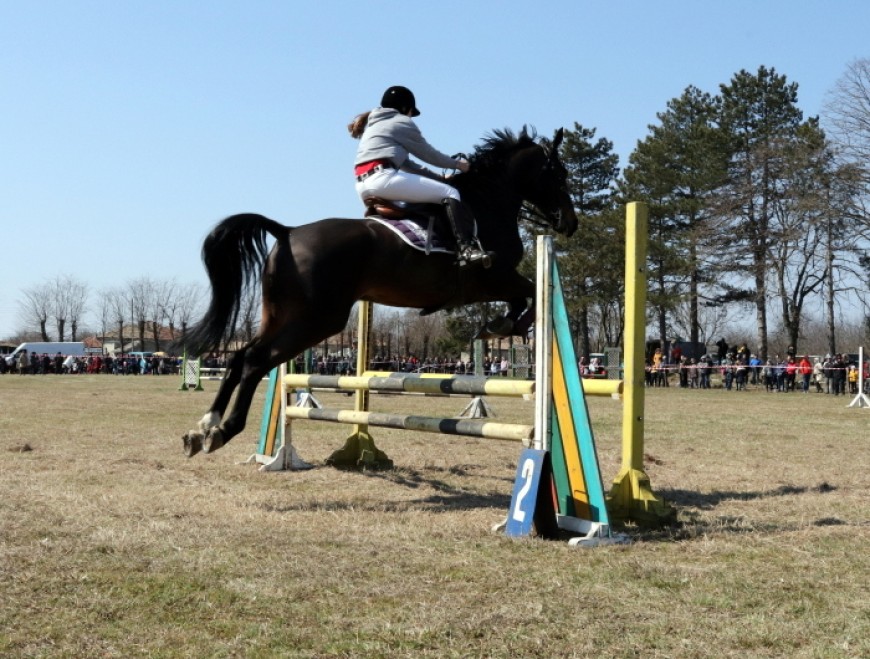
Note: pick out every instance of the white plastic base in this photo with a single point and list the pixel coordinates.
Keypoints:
(861, 400)
(285, 459)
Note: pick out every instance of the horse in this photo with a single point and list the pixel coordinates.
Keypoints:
(315, 273)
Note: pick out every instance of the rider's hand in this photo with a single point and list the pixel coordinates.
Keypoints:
(462, 165)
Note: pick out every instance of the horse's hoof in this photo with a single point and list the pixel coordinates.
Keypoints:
(213, 440)
(192, 442)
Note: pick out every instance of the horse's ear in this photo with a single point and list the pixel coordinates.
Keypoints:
(557, 138)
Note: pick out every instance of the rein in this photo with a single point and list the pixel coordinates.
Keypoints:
(532, 214)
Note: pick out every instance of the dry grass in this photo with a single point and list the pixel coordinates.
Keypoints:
(112, 544)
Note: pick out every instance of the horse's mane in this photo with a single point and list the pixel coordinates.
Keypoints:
(498, 145)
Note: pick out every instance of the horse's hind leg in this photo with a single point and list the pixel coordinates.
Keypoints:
(257, 364)
(193, 439)
(261, 356)
(234, 422)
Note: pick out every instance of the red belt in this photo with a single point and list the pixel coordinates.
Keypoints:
(367, 167)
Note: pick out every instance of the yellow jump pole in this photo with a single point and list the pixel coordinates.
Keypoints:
(359, 449)
(631, 497)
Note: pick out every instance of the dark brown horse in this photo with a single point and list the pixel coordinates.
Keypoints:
(315, 273)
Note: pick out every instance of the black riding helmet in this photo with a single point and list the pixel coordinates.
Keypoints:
(401, 99)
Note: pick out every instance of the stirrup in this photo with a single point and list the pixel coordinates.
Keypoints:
(472, 255)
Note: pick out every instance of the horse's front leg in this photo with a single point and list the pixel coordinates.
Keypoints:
(517, 291)
(507, 325)
(525, 319)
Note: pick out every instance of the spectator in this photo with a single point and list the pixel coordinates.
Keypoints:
(806, 370)
(838, 368)
(755, 367)
(740, 373)
(686, 367)
(694, 373)
(722, 349)
(791, 369)
(819, 376)
(781, 383)
(769, 375)
(852, 377)
(676, 353)
(704, 372)
(726, 367)
(828, 370)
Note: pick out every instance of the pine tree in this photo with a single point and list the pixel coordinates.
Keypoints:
(591, 261)
(675, 169)
(760, 117)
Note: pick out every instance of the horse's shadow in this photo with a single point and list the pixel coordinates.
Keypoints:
(447, 496)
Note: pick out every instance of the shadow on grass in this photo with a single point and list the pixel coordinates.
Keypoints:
(694, 522)
(446, 498)
(709, 500)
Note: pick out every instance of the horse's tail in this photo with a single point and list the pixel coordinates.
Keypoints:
(233, 254)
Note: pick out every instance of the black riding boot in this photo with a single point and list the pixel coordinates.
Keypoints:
(468, 248)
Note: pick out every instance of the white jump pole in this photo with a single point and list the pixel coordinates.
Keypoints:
(861, 400)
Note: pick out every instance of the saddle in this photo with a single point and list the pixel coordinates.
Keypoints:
(392, 210)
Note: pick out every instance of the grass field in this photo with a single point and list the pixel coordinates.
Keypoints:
(112, 544)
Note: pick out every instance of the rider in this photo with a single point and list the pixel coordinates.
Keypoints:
(383, 167)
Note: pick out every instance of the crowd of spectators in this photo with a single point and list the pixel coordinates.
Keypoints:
(732, 370)
(34, 364)
(335, 364)
(735, 370)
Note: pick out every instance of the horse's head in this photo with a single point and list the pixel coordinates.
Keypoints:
(523, 173)
(547, 188)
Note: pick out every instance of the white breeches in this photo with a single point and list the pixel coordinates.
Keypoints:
(397, 185)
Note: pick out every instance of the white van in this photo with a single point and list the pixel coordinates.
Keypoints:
(51, 348)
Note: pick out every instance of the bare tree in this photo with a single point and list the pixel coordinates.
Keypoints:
(69, 297)
(848, 112)
(141, 293)
(117, 308)
(159, 302)
(59, 306)
(249, 315)
(423, 331)
(36, 308)
(104, 312)
(185, 305)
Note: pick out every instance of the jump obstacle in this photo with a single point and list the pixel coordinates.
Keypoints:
(191, 370)
(560, 471)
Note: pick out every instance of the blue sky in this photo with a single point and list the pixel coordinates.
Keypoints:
(129, 129)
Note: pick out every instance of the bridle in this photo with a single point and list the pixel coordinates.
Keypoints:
(531, 212)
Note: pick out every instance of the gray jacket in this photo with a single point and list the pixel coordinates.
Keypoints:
(390, 135)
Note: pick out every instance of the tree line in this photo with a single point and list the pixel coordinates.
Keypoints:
(753, 207)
